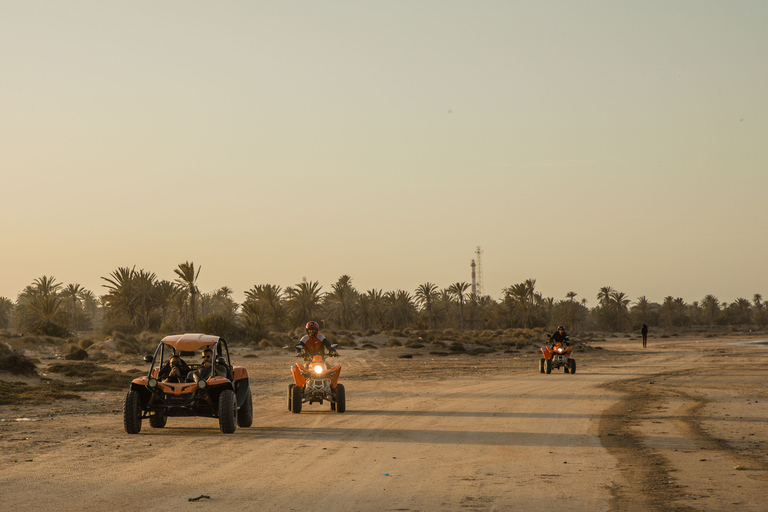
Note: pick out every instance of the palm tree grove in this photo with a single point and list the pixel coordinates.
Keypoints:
(136, 301)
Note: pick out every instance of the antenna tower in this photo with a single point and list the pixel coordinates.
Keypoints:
(479, 271)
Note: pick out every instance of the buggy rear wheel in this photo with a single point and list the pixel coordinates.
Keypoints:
(297, 395)
(132, 413)
(341, 398)
(227, 411)
(245, 414)
(158, 420)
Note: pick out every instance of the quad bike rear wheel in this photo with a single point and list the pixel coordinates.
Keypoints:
(158, 420)
(132, 413)
(245, 414)
(227, 411)
(297, 395)
(547, 366)
(541, 365)
(341, 398)
(290, 395)
(572, 365)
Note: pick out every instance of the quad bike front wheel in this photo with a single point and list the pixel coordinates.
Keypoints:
(158, 420)
(290, 395)
(341, 398)
(132, 413)
(541, 365)
(297, 395)
(245, 414)
(227, 411)
(572, 365)
(547, 366)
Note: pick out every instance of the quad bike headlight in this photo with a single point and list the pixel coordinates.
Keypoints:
(201, 384)
(317, 369)
(152, 382)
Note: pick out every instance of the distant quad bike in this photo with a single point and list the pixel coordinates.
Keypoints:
(558, 356)
(226, 398)
(315, 381)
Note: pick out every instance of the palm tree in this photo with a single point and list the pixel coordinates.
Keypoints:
(604, 296)
(399, 310)
(303, 301)
(6, 308)
(641, 307)
(570, 296)
(188, 278)
(425, 294)
(620, 302)
(270, 299)
(458, 290)
(369, 308)
(710, 306)
(339, 303)
(521, 300)
(73, 294)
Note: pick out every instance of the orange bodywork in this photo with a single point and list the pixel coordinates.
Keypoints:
(557, 350)
(331, 373)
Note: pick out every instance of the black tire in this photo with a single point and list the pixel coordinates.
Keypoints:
(158, 420)
(228, 411)
(290, 395)
(333, 406)
(341, 398)
(566, 368)
(245, 414)
(572, 364)
(297, 395)
(541, 365)
(547, 366)
(132, 413)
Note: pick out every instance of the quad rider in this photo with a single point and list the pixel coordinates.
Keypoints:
(314, 343)
(560, 337)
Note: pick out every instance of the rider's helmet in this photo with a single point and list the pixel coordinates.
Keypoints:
(312, 328)
(560, 328)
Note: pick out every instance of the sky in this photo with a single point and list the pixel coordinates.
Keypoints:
(582, 144)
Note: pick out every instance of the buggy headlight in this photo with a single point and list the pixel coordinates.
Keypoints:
(317, 369)
(201, 384)
(152, 382)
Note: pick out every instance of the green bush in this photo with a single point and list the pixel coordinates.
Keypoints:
(16, 363)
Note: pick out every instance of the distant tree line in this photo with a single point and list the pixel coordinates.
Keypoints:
(136, 300)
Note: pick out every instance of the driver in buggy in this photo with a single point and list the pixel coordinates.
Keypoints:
(175, 371)
(314, 343)
(560, 337)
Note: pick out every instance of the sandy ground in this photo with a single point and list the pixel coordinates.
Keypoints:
(678, 426)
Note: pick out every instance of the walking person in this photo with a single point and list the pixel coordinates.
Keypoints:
(644, 332)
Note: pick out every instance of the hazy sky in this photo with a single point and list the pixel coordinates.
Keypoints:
(580, 143)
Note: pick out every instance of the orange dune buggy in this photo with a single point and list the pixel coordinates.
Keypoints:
(227, 397)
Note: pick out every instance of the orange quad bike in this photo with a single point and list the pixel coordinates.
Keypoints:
(557, 356)
(315, 381)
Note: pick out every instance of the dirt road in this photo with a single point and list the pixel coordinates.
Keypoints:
(629, 431)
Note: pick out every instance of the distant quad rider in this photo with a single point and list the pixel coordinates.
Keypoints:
(314, 343)
(560, 336)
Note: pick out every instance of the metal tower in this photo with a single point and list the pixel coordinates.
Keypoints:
(479, 271)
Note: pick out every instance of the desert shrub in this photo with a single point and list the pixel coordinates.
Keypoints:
(371, 332)
(84, 343)
(415, 345)
(264, 343)
(369, 345)
(457, 346)
(77, 354)
(16, 363)
(394, 342)
(94, 377)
